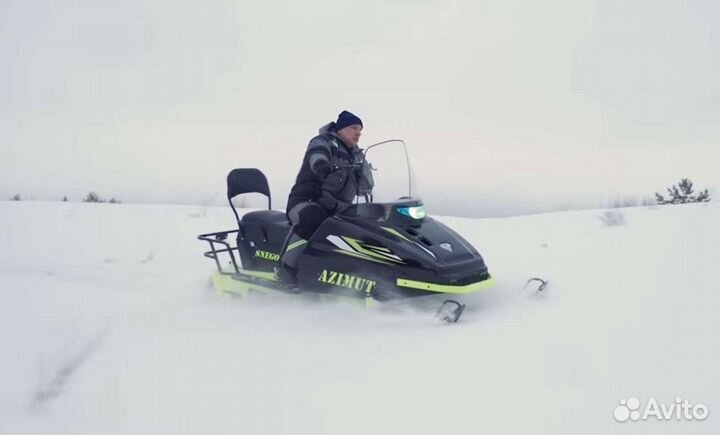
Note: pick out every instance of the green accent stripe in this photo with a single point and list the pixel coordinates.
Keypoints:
(444, 288)
(224, 283)
(358, 247)
(362, 256)
(396, 233)
(296, 244)
(270, 276)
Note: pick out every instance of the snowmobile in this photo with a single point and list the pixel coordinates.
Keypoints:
(371, 251)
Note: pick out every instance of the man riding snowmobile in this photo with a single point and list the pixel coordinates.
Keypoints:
(332, 174)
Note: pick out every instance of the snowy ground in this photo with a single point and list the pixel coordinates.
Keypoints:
(108, 325)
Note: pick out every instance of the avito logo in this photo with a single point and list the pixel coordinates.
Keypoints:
(631, 409)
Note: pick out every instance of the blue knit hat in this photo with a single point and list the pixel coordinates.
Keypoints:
(345, 119)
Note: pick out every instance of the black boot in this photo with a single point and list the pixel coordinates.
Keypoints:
(286, 272)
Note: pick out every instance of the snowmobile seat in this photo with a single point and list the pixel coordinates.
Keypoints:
(269, 226)
(262, 230)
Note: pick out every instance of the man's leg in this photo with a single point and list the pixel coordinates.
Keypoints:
(306, 218)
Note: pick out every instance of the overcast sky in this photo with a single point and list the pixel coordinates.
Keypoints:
(507, 106)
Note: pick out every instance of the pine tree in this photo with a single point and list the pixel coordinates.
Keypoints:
(93, 197)
(682, 193)
(16, 197)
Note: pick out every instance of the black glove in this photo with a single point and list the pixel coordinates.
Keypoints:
(323, 169)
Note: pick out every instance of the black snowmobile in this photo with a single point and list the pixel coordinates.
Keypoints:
(372, 251)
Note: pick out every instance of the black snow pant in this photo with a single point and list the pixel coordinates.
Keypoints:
(306, 218)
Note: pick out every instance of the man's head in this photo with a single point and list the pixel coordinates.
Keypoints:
(349, 127)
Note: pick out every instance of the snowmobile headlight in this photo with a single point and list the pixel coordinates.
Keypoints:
(413, 212)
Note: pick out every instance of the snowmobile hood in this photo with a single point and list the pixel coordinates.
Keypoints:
(413, 235)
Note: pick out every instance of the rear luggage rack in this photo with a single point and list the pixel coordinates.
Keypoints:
(239, 181)
(220, 237)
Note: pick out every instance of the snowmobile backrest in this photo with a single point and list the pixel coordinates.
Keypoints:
(246, 180)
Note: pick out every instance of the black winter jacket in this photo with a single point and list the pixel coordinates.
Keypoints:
(339, 189)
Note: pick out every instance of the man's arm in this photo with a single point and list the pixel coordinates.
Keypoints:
(319, 157)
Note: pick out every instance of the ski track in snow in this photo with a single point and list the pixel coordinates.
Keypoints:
(54, 387)
(108, 325)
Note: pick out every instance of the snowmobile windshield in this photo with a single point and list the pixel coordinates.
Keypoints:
(387, 170)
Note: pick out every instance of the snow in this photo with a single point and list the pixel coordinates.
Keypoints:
(108, 325)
